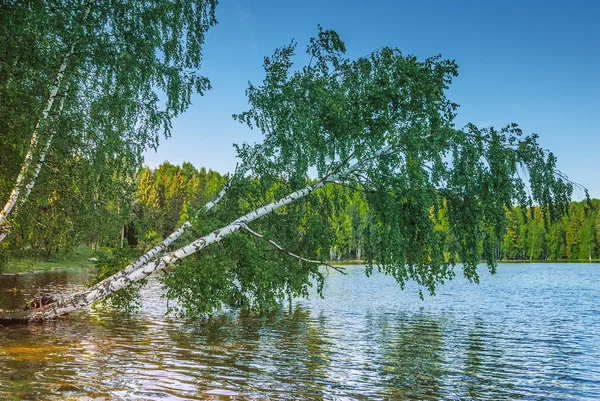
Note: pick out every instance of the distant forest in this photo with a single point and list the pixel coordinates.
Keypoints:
(165, 194)
(151, 204)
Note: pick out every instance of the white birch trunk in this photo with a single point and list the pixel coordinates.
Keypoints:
(12, 199)
(158, 248)
(131, 275)
(5, 230)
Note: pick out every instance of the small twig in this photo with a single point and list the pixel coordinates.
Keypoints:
(50, 167)
(273, 243)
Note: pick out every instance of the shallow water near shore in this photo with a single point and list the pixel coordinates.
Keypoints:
(530, 332)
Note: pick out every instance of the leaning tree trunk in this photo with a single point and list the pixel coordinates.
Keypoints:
(5, 230)
(131, 275)
(158, 248)
(14, 195)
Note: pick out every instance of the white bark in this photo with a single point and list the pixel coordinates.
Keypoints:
(14, 196)
(158, 248)
(131, 275)
(122, 234)
(12, 200)
(212, 203)
(5, 230)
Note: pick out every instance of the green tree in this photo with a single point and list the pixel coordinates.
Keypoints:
(510, 242)
(112, 60)
(536, 239)
(587, 234)
(358, 210)
(597, 224)
(557, 241)
(174, 200)
(148, 214)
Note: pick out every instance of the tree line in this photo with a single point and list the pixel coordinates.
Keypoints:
(152, 203)
(529, 233)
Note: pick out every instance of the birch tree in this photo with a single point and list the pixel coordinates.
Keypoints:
(382, 123)
(118, 58)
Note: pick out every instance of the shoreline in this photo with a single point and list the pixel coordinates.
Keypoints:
(561, 261)
(353, 262)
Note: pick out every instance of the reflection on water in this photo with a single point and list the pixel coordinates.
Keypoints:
(528, 333)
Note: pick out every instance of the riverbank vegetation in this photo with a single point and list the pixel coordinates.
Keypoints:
(29, 262)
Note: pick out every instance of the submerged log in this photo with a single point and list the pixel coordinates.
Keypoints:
(15, 317)
(33, 311)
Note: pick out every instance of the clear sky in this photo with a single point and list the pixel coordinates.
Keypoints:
(536, 63)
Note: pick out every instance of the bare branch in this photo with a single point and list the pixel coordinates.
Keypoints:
(276, 245)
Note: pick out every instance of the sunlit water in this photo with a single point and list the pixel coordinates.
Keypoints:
(530, 332)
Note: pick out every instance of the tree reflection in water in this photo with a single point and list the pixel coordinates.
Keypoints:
(412, 360)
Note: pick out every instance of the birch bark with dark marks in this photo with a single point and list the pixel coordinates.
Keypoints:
(140, 270)
(33, 144)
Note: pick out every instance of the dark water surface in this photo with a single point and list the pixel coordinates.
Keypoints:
(531, 332)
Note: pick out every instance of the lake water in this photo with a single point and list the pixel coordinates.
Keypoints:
(531, 332)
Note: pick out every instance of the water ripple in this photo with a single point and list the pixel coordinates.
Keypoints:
(528, 333)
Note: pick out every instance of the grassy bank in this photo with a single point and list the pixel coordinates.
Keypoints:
(78, 258)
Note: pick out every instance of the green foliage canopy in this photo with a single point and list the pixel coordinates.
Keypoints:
(131, 67)
(334, 112)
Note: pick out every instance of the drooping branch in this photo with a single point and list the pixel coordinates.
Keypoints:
(282, 249)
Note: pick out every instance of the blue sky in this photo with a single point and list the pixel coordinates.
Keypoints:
(536, 63)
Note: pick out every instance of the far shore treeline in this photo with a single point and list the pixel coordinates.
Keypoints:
(152, 203)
